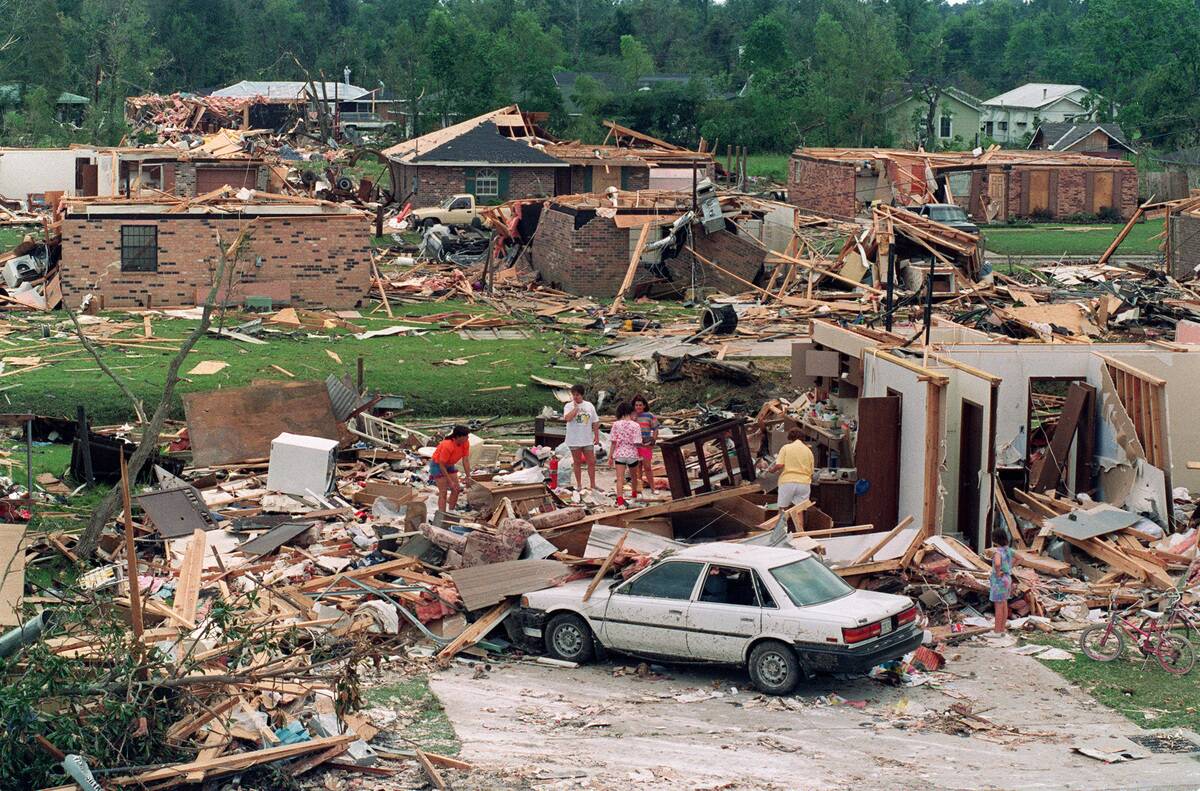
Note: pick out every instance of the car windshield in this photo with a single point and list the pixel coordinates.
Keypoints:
(809, 582)
(947, 214)
(445, 204)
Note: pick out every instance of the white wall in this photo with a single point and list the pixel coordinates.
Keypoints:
(964, 386)
(37, 170)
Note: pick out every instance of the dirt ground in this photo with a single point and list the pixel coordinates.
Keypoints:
(524, 725)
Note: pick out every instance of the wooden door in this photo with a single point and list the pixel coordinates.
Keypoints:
(1102, 191)
(970, 454)
(877, 458)
(1039, 191)
(87, 178)
(605, 177)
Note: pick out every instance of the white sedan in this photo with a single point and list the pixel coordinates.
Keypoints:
(780, 612)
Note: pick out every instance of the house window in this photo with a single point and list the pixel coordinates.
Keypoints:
(987, 128)
(1002, 126)
(945, 130)
(487, 183)
(139, 248)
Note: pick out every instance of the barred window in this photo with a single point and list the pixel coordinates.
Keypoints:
(139, 248)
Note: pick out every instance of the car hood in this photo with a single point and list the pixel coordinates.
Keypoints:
(860, 607)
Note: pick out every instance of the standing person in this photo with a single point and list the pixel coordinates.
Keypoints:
(626, 438)
(1000, 579)
(794, 463)
(442, 470)
(583, 435)
(649, 425)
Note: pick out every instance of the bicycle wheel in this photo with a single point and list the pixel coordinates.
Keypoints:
(1175, 654)
(1102, 642)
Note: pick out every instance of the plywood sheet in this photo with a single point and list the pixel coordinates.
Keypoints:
(1096, 521)
(483, 586)
(12, 573)
(842, 550)
(231, 426)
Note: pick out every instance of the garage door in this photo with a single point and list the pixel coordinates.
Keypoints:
(209, 179)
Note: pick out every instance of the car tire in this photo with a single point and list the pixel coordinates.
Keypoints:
(568, 637)
(774, 668)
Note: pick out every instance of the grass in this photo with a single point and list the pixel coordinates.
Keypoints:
(428, 726)
(1143, 692)
(1059, 239)
(397, 365)
(771, 166)
(11, 235)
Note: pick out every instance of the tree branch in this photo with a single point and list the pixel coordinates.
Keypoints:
(108, 507)
(92, 350)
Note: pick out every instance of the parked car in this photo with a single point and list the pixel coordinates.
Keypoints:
(453, 210)
(779, 612)
(947, 214)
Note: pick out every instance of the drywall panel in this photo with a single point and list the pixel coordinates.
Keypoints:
(1181, 371)
(964, 386)
(1118, 451)
(1016, 364)
(848, 342)
(881, 378)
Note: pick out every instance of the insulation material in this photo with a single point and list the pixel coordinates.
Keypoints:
(1118, 450)
(843, 550)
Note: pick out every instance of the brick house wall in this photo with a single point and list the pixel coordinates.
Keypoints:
(826, 187)
(589, 260)
(730, 251)
(1071, 190)
(434, 183)
(632, 178)
(1183, 245)
(322, 261)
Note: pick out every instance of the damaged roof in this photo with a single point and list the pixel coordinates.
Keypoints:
(1061, 136)
(291, 90)
(956, 160)
(484, 144)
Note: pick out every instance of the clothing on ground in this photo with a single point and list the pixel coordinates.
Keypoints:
(580, 428)
(797, 461)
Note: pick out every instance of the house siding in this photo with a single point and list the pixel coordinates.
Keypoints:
(965, 121)
(321, 261)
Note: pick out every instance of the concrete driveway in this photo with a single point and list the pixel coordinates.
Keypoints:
(603, 726)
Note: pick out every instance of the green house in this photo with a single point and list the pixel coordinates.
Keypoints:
(956, 120)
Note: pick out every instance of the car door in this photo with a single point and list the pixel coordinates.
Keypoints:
(725, 615)
(648, 613)
(460, 212)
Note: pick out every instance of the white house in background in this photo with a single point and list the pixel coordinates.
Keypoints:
(1007, 118)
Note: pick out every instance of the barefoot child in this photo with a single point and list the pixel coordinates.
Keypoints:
(1001, 578)
(626, 437)
(442, 470)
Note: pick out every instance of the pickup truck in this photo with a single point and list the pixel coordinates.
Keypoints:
(778, 612)
(453, 210)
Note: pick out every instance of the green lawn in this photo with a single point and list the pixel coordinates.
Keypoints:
(1057, 239)
(398, 365)
(772, 166)
(11, 235)
(1143, 692)
(427, 725)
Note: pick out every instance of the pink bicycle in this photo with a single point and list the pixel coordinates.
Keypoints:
(1105, 642)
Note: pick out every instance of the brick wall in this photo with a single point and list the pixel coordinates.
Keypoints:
(1069, 188)
(324, 260)
(435, 183)
(591, 260)
(1183, 245)
(826, 187)
(185, 179)
(727, 250)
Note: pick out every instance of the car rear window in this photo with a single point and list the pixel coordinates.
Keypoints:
(947, 213)
(808, 582)
(666, 581)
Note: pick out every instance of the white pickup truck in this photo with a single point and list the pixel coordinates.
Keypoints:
(777, 611)
(453, 210)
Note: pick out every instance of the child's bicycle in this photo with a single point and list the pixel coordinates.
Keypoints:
(1105, 642)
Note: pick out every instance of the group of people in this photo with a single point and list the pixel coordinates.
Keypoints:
(632, 440)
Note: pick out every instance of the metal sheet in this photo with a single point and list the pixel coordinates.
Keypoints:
(273, 539)
(231, 426)
(176, 512)
(483, 586)
(1097, 521)
(345, 399)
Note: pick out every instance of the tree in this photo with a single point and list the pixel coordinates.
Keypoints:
(635, 61)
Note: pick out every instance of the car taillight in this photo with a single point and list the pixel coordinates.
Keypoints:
(860, 633)
(908, 616)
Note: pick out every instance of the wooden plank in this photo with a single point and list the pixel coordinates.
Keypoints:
(187, 589)
(228, 764)
(870, 553)
(131, 564)
(431, 771)
(476, 631)
(1112, 248)
(1009, 520)
(1049, 472)
(1043, 564)
(634, 260)
(604, 567)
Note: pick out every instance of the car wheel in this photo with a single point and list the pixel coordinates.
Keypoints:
(774, 668)
(569, 638)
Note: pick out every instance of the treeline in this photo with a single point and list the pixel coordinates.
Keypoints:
(767, 74)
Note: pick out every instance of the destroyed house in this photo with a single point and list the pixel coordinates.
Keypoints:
(160, 253)
(592, 244)
(35, 174)
(504, 155)
(946, 434)
(993, 186)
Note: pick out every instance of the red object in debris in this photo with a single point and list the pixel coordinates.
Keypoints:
(553, 472)
(927, 659)
(183, 443)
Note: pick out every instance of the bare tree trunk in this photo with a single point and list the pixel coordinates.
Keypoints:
(150, 431)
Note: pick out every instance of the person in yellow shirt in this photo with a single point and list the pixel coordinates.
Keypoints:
(794, 463)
